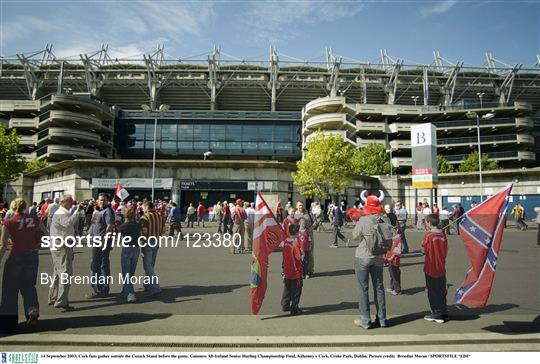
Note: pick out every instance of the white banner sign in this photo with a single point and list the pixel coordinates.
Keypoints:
(127, 183)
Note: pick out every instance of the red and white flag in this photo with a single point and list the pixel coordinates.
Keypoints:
(121, 192)
(267, 235)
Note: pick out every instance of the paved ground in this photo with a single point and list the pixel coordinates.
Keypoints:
(206, 294)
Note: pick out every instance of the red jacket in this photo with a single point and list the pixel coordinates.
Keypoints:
(435, 248)
(201, 210)
(292, 259)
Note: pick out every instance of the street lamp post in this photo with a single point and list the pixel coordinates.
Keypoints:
(415, 98)
(162, 108)
(474, 115)
(480, 96)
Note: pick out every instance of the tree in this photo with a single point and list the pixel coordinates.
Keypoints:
(12, 163)
(470, 164)
(328, 166)
(373, 160)
(443, 166)
(35, 164)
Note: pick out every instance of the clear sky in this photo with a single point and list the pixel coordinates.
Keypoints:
(357, 30)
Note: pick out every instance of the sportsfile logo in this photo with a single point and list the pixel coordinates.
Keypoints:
(20, 358)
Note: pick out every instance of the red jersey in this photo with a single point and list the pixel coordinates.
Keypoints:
(286, 224)
(201, 210)
(292, 259)
(304, 240)
(24, 232)
(435, 247)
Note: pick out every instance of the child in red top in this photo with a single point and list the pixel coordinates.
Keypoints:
(392, 259)
(304, 238)
(292, 271)
(435, 249)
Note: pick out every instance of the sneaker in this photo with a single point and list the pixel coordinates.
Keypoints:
(433, 319)
(32, 317)
(359, 323)
(307, 276)
(286, 309)
(132, 299)
(333, 246)
(392, 292)
(381, 324)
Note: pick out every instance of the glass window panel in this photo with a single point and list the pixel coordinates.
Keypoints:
(185, 132)
(234, 145)
(169, 145)
(200, 145)
(138, 144)
(249, 146)
(168, 132)
(234, 132)
(185, 145)
(265, 132)
(217, 132)
(250, 133)
(139, 131)
(201, 132)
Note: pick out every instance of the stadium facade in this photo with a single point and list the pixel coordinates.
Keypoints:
(85, 116)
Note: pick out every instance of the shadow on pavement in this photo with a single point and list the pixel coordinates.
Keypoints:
(412, 291)
(343, 272)
(171, 293)
(462, 313)
(516, 327)
(64, 323)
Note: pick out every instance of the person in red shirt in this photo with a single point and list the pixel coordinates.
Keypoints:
(201, 211)
(304, 239)
(292, 271)
(435, 249)
(21, 267)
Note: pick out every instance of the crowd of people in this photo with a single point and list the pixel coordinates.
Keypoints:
(22, 227)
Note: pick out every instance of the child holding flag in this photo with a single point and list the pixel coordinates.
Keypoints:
(292, 270)
(435, 249)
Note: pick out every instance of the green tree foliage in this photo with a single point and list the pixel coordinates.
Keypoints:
(470, 164)
(35, 164)
(12, 163)
(373, 160)
(328, 166)
(443, 166)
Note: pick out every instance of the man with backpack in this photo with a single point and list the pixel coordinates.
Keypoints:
(374, 233)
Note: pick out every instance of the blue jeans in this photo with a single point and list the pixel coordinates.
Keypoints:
(149, 261)
(100, 267)
(130, 255)
(364, 268)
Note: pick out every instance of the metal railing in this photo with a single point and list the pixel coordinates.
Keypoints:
(468, 122)
(491, 138)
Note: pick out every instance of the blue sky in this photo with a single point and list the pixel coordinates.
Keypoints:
(357, 30)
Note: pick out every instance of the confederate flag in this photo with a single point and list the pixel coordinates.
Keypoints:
(481, 230)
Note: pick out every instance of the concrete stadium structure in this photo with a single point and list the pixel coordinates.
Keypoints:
(89, 108)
